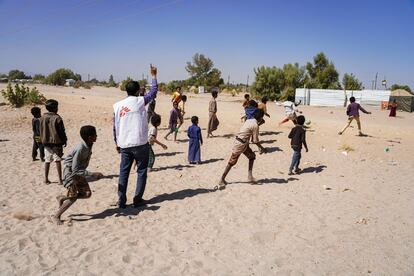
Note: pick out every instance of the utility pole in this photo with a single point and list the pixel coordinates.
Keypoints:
(88, 77)
(376, 78)
(247, 83)
(228, 80)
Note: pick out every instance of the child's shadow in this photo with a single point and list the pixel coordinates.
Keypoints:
(276, 180)
(168, 153)
(317, 169)
(273, 149)
(175, 167)
(117, 212)
(263, 133)
(212, 160)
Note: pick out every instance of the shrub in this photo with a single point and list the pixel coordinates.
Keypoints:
(22, 95)
(77, 84)
(87, 85)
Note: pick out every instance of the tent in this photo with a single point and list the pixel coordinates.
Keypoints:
(404, 99)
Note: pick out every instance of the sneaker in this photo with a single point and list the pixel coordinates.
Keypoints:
(298, 170)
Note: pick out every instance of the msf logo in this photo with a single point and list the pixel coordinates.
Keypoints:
(124, 111)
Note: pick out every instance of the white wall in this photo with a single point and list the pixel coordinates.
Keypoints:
(327, 97)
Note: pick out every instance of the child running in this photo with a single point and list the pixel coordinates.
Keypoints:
(249, 129)
(152, 139)
(181, 105)
(176, 96)
(53, 137)
(176, 120)
(298, 137)
(263, 107)
(245, 105)
(353, 114)
(37, 143)
(290, 110)
(75, 173)
(195, 142)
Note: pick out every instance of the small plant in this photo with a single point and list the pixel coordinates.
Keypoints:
(87, 85)
(346, 148)
(21, 95)
(77, 84)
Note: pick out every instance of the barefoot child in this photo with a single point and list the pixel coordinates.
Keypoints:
(245, 105)
(250, 129)
(213, 122)
(263, 107)
(290, 110)
(353, 114)
(176, 120)
(37, 143)
(53, 137)
(75, 172)
(298, 137)
(196, 140)
(181, 105)
(152, 139)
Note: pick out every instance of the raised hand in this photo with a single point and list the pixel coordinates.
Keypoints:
(153, 71)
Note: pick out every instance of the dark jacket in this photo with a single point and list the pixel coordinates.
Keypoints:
(298, 137)
(52, 130)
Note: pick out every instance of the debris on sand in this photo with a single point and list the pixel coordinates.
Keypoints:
(346, 148)
(24, 214)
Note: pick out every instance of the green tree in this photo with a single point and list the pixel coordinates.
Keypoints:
(60, 76)
(111, 82)
(202, 72)
(294, 77)
(397, 86)
(16, 74)
(322, 73)
(39, 77)
(350, 82)
(270, 82)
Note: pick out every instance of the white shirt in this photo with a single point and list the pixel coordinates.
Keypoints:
(289, 109)
(131, 126)
(152, 133)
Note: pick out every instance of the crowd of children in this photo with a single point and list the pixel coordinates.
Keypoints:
(49, 138)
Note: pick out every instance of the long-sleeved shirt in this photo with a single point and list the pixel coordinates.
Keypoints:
(175, 115)
(130, 119)
(194, 132)
(298, 137)
(76, 163)
(353, 109)
(36, 127)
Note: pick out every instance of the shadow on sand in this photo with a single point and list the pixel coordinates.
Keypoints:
(131, 211)
(175, 167)
(317, 169)
(264, 133)
(168, 153)
(273, 149)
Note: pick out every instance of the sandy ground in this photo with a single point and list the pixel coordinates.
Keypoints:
(345, 215)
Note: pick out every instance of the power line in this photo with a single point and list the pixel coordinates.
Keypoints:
(49, 18)
(117, 19)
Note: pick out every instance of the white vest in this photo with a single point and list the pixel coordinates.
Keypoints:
(131, 126)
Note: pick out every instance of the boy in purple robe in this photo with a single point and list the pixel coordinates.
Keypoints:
(195, 142)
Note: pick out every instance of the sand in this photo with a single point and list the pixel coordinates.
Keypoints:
(350, 213)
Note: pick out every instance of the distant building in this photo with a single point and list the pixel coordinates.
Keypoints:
(70, 82)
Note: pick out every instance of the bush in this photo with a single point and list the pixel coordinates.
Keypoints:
(59, 77)
(87, 85)
(22, 95)
(77, 84)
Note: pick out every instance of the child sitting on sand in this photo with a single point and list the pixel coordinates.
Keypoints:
(75, 172)
(37, 143)
(196, 140)
(176, 120)
(298, 137)
(353, 114)
(152, 139)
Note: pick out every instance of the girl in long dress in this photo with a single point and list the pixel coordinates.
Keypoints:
(195, 142)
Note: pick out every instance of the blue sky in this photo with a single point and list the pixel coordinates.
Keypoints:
(103, 37)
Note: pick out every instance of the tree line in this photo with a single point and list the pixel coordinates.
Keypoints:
(273, 82)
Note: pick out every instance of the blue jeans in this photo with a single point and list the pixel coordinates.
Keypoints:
(295, 160)
(140, 154)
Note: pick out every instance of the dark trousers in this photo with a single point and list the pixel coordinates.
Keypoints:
(140, 154)
(295, 160)
(41, 150)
